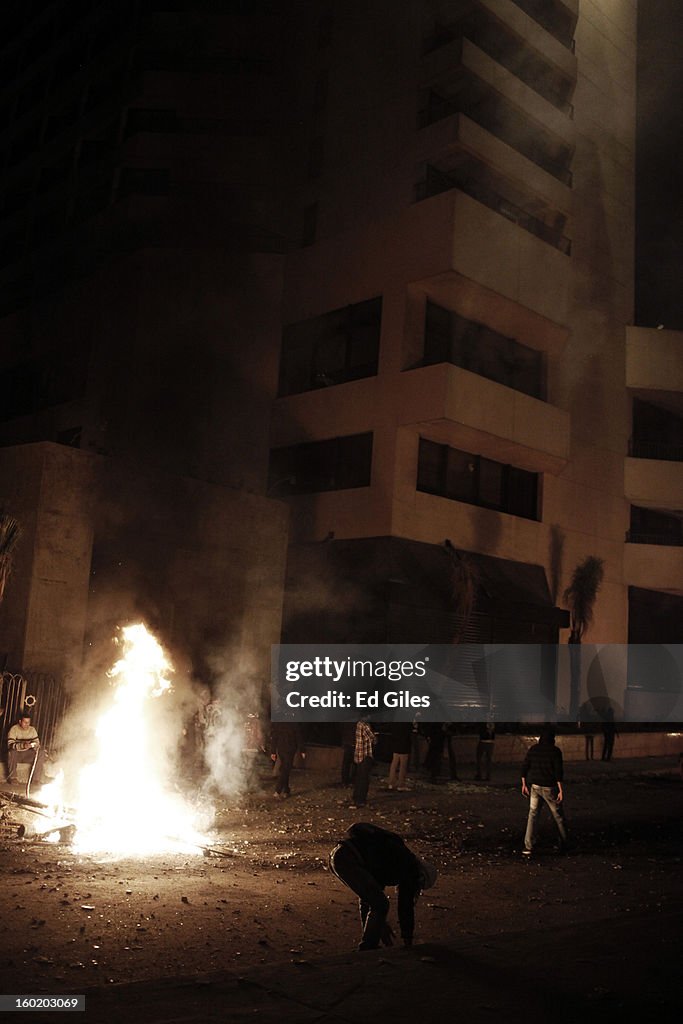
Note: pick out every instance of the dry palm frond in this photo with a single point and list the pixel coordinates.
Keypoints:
(9, 535)
(464, 582)
(581, 593)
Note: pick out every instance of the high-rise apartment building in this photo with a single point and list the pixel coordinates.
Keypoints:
(459, 374)
(377, 254)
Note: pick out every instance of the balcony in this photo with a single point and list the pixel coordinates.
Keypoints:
(654, 567)
(514, 40)
(557, 17)
(453, 406)
(466, 241)
(654, 360)
(654, 483)
(473, 178)
(451, 141)
(461, 78)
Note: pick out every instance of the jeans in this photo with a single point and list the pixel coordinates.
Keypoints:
(372, 903)
(549, 795)
(286, 762)
(361, 782)
(348, 768)
(484, 758)
(398, 770)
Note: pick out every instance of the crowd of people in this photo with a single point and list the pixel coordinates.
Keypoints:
(370, 858)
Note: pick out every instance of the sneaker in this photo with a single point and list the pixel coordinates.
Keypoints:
(526, 853)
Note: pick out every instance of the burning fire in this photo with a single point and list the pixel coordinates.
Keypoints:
(125, 804)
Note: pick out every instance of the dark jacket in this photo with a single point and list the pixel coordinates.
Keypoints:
(543, 765)
(401, 737)
(286, 738)
(390, 862)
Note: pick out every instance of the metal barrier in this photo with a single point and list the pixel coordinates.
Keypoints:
(41, 694)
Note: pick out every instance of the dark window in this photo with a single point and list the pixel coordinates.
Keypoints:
(71, 62)
(55, 174)
(21, 387)
(141, 120)
(657, 432)
(25, 144)
(146, 181)
(321, 90)
(325, 29)
(451, 338)
(331, 349)
(47, 226)
(310, 225)
(31, 95)
(93, 150)
(70, 437)
(37, 384)
(461, 476)
(649, 526)
(553, 16)
(92, 200)
(334, 465)
(61, 120)
(12, 248)
(316, 155)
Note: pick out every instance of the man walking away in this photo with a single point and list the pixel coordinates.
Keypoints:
(542, 782)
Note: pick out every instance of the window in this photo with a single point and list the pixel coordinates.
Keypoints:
(657, 432)
(146, 181)
(649, 526)
(331, 349)
(143, 120)
(451, 338)
(316, 155)
(337, 464)
(310, 225)
(461, 476)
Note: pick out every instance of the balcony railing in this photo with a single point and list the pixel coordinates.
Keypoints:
(440, 107)
(490, 36)
(663, 539)
(661, 450)
(548, 16)
(442, 181)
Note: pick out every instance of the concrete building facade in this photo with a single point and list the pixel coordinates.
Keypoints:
(466, 182)
(363, 268)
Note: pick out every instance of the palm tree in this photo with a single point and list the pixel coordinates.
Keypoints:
(9, 535)
(580, 596)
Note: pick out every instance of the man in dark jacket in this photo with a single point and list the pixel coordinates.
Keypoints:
(367, 861)
(542, 781)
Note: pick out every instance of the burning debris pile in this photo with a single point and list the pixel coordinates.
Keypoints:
(125, 802)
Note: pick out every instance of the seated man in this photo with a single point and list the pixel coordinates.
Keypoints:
(23, 747)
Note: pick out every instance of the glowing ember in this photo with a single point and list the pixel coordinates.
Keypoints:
(124, 804)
